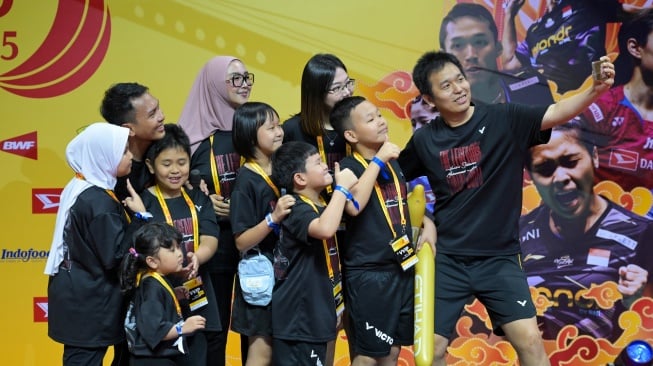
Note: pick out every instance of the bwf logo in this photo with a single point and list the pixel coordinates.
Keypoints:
(23, 145)
(45, 200)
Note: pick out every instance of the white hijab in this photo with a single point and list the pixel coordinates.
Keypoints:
(95, 154)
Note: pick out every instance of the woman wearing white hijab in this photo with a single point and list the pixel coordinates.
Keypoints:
(91, 235)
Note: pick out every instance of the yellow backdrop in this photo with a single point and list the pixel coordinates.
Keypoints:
(58, 57)
(52, 86)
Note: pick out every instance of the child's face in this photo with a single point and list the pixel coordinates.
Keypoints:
(171, 169)
(369, 126)
(125, 165)
(317, 173)
(269, 136)
(169, 260)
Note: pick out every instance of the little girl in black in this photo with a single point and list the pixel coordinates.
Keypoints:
(160, 328)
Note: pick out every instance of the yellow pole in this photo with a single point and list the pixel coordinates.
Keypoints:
(424, 283)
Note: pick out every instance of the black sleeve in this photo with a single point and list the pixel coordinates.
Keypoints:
(208, 224)
(299, 219)
(111, 236)
(201, 161)
(409, 162)
(152, 318)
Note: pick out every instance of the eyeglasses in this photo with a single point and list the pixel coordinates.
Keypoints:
(348, 85)
(237, 80)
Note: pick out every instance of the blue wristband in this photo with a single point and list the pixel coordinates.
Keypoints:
(348, 195)
(178, 326)
(381, 165)
(271, 224)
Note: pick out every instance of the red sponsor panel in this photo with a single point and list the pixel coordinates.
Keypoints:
(24, 145)
(45, 200)
(624, 159)
(40, 310)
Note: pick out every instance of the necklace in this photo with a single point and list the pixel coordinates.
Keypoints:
(327, 134)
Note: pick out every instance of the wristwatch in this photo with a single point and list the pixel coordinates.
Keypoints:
(143, 216)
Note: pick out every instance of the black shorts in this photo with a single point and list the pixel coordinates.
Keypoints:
(295, 353)
(498, 282)
(250, 320)
(380, 305)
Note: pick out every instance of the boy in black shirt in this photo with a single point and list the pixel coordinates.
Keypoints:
(310, 287)
(377, 251)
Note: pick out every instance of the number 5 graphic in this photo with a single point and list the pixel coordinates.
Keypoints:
(6, 42)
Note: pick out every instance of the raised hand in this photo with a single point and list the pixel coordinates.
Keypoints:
(283, 208)
(606, 79)
(388, 151)
(345, 178)
(133, 202)
(220, 205)
(632, 279)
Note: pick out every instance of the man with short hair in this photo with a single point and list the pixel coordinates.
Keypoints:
(473, 156)
(131, 105)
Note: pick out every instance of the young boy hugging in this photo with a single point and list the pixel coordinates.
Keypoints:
(377, 252)
(307, 300)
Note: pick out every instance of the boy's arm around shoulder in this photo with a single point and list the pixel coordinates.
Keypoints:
(326, 225)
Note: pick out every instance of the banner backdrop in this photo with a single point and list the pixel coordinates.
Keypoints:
(58, 57)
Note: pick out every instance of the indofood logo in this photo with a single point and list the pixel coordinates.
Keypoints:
(24, 255)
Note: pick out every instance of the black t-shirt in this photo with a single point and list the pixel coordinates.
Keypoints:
(227, 163)
(252, 199)
(475, 171)
(139, 177)
(335, 147)
(85, 301)
(368, 236)
(562, 269)
(182, 220)
(155, 314)
(306, 295)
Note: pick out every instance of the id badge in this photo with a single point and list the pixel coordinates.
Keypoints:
(338, 297)
(196, 294)
(404, 252)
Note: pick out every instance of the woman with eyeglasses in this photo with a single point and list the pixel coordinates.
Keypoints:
(222, 85)
(324, 83)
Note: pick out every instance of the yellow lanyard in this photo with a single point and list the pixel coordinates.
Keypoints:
(191, 207)
(379, 196)
(214, 169)
(320, 149)
(325, 243)
(110, 193)
(163, 283)
(257, 168)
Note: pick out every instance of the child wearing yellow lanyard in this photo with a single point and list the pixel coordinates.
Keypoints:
(190, 211)
(257, 208)
(378, 254)
(160, 327)
(311, 286)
